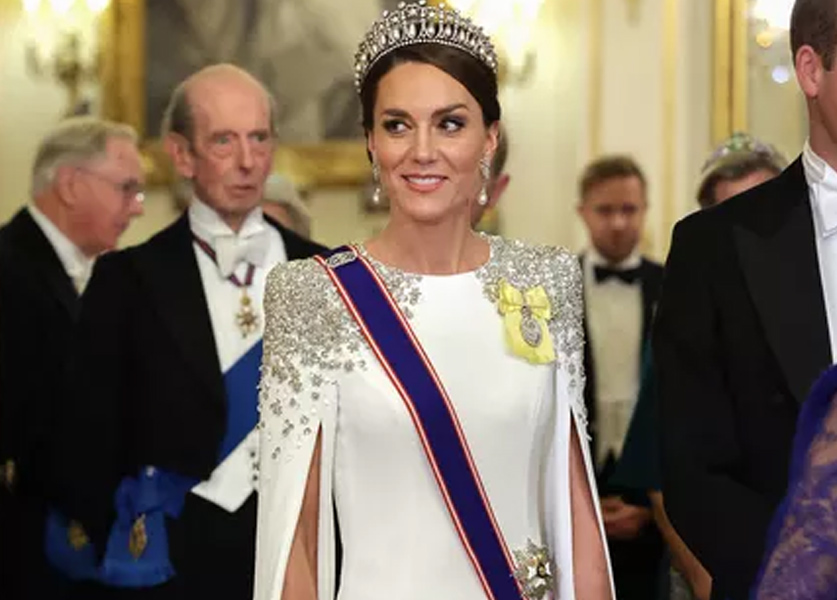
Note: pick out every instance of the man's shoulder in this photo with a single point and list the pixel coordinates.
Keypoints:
(158, 245)
(25, 251)
(18, 230)
(763, 206)
(651, 265)
(158, 249)
(651, 273)
(296, 246)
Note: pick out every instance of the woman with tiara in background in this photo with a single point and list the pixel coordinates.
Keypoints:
(425, 387)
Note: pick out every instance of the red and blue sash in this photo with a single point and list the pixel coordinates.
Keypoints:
(399, 352)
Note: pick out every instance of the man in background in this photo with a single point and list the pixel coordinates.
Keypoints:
(87, 185)
(167, 367)
(747, 323)
(620, 292)
(739, 164)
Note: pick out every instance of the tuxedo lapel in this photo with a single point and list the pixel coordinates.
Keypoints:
(169, 267)
(650, 279)
(171, 271)
(779, 260)
(37, 256)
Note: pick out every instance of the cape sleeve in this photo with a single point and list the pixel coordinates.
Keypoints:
(296, 402)
(567, 332)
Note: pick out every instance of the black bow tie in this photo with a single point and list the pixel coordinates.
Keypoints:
(628, 276)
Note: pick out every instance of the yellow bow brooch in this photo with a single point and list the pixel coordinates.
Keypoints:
(525, 316)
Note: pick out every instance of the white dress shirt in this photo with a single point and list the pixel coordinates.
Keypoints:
(232, 482)
(613, 310)
(822, 190)
(77, 265)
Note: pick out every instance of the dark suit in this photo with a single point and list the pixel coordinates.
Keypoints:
(650, 280)
(38, 307)
(635, 562)
(147, 389)
(740, 336)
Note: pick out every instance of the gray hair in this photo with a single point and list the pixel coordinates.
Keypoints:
(75, 140)
(178, 116)
(280, 191)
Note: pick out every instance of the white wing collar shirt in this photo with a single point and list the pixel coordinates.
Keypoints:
(77, 265)
(258, 244)
(614, 323)
(822, 189)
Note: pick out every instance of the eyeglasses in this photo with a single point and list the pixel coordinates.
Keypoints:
(129, 189)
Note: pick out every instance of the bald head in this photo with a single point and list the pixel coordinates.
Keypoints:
(186, 99)
(219, 130)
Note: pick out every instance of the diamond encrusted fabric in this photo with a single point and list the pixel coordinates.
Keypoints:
(525, 266)
(310, 338)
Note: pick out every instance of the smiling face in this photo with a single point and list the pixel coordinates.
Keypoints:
(428, 138)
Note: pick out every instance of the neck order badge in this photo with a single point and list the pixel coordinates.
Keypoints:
(247, 319)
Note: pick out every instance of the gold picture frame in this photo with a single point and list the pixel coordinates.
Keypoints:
(729, 69)
(123, 74)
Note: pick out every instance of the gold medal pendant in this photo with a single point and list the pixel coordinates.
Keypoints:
(246, 318)
(138, 540)
(76, 536)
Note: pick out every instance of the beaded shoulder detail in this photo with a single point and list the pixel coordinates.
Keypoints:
(556, 269)
(308, 320)
(307, 327)
(310, 337)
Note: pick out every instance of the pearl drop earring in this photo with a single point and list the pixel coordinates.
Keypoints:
(485, 171)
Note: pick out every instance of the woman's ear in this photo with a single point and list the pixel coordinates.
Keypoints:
(493, 140)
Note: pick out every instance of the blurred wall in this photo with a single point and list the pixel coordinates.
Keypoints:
(602, 81)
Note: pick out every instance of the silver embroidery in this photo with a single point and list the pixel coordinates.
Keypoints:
(405, 287)
(557, 270)
(310, 338)
(336, 261)
(535, 571)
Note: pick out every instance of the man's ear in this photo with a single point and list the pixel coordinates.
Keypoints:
(64, 182)
(809, 70)
(179, 150)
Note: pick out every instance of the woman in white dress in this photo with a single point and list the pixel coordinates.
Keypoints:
(500, 323)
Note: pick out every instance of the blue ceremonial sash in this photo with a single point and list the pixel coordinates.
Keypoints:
(151, 497)
(241, 382)
(400, 354)
(142, 505)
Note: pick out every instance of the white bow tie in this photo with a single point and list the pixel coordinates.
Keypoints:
(231, 251)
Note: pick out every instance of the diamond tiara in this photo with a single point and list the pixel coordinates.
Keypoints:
(418, 23)
(740, 144)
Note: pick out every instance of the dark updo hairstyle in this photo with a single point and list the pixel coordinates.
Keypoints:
(471, 72)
